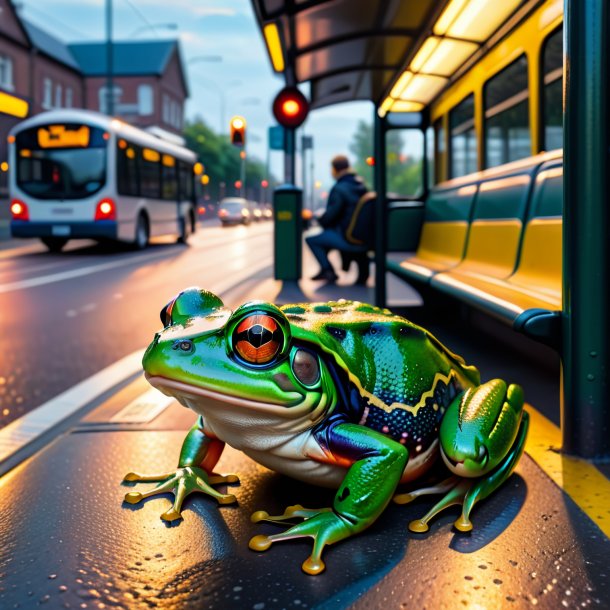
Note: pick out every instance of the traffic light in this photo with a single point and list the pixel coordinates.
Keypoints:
(238, 184)
(370, 161)
(290, 107)
(264, 183)
(238, 131)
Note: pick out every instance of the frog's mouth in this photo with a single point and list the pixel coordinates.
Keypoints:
(184, 391)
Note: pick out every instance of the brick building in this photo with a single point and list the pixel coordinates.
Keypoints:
(39, 72)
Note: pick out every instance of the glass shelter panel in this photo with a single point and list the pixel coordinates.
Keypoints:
(552, 94)
(405, 163)
(463, 138)
(507, 121)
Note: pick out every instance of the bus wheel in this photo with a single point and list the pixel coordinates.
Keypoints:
(185, 230)
(54, 244)
(142, 233)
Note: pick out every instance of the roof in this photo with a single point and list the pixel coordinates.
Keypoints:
(356, 49)
(347, 49)
(49, 45)
(128, 58)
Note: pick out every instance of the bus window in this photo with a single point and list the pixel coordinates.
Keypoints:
(150, 173)
(463, 139)
(404, 162)
(439, 150)
(186, 181)
(61, 161)
(169, 179)
(552, 96)
(127, 168)
(507, 125)
(430, 155)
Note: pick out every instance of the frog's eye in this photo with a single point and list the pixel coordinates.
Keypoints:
(257, 339)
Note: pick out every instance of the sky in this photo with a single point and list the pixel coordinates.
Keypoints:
(209, 29)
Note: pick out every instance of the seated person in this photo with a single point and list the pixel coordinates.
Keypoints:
(342, 201)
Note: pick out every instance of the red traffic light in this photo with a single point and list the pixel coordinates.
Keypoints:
(290, 107)
(370, 161)
(238, 184)
(264, 183)
(238, 131)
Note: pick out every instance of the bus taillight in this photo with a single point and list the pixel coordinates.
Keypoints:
(19, 210)
(106, 210)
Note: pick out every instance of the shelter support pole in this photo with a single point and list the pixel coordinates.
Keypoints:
(381, 215)
(585, 412)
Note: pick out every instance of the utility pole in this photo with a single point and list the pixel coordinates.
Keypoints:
(109, 66)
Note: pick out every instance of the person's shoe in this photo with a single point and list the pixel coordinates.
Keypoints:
(328, 275)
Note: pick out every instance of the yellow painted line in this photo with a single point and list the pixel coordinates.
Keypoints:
(581, 480)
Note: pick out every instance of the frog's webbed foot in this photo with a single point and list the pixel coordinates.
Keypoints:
(181, 483)
(324, 525)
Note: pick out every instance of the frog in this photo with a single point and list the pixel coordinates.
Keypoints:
(340, 394)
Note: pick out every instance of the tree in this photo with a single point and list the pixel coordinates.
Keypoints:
(222, 162)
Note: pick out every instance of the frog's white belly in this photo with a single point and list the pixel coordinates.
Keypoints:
(285, 445)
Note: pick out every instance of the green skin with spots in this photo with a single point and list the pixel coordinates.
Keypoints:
(341, 394)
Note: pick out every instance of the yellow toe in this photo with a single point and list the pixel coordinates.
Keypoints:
(229, 499)
(463, 524)
(418, 526)
(313, 566)
(133, 497)
(171, 515)
(259, 515)
(259, 543)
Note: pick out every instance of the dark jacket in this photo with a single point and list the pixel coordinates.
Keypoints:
(342, 201)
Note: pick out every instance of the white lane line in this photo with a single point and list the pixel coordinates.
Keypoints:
(74, 273)
(30, 426)
(68, 275)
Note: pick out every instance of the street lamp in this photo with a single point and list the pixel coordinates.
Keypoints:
(222, 95)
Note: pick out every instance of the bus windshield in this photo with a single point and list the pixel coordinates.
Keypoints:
(61, 161)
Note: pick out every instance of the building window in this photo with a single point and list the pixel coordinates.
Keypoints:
(463, 139)
(117, 93)
(58, 96)
(507, 118)
(47, 93)
(145, 100)
(6, 72)
(69, 97)
(552, 94)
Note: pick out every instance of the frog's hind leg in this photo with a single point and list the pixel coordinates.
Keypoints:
(486, 485)
(377, 464)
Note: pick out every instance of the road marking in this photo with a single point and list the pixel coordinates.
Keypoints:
(74, 273)
(30, 426)
(579, 479)
(68, 275)
(143, 409)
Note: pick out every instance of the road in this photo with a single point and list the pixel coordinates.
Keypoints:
(67, 316)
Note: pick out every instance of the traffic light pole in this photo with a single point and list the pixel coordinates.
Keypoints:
(242, 173)
(289, 156)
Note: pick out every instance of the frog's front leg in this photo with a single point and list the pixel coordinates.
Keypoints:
(198, 457)
(482, 438)
(377, 465)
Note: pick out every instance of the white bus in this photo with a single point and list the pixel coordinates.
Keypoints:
(81, 174)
